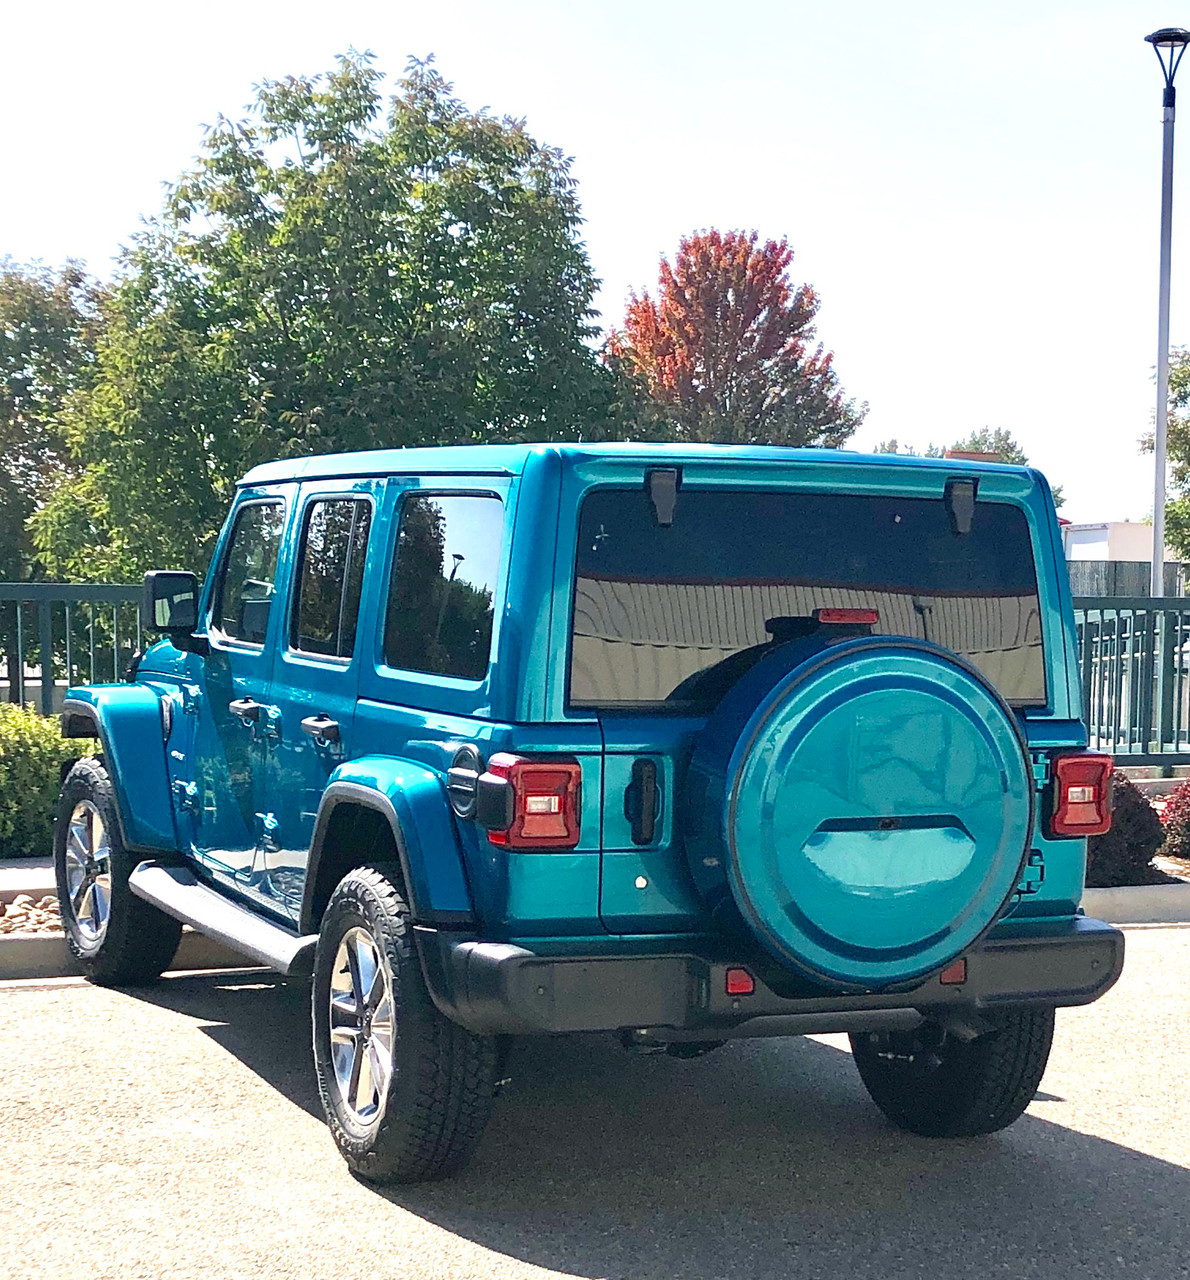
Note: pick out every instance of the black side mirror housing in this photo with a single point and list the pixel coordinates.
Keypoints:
(170, 604)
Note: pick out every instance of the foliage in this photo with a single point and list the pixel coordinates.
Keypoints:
(47, 331)
(1176, 821)
(1177, 508)
(726, 352)
(327, 279)
(1124, 855)
(32, 752)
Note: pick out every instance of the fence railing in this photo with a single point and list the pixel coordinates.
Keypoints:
(1134, 653)
(55, 634)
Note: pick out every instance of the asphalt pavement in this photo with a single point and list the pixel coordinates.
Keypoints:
(175, 1133)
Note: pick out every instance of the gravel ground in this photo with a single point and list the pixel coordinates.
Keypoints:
(175, 1134)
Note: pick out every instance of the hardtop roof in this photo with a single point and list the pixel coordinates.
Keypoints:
(510, 459)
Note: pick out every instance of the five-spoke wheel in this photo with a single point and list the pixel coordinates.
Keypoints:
(361, 1024)
(88, 857)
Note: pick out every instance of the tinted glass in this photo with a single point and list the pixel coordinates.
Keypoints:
(330, 575)
(672, 615)
(443, 583)
(244, 595)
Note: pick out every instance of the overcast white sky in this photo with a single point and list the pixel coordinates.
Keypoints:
(973, 189)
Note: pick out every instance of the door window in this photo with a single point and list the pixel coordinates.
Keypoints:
(244, 592)
(330, 576)
(443, 583)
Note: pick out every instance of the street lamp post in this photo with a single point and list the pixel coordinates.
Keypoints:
(1169, 44)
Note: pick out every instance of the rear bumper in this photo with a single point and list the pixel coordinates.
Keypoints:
(498, 988)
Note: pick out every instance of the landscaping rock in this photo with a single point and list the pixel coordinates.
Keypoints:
(24, 914)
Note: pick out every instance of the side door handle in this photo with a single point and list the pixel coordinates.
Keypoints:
(321, 727)
(248, 709)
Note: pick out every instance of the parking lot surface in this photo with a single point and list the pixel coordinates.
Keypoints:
(175, 1132)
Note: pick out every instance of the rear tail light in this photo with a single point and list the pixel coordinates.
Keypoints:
(869, 616)
(1082, 795)
(530, 804)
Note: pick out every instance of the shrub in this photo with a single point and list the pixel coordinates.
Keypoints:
(32, 752)
(1176, 819)
(1124, 855)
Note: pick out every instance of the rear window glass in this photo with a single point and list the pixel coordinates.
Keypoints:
(664, 615)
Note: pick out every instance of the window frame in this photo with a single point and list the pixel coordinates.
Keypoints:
(295, 578)
(413, 674)
(214, 630)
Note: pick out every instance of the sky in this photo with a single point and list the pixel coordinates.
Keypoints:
(972, 189)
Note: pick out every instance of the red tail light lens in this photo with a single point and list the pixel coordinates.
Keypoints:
(1082, 795)
(869, 616)
(542, 809)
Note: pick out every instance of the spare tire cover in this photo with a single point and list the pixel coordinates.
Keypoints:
(870, 810)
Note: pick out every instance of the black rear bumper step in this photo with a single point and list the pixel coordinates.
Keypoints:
(493, 987)
(179, 893)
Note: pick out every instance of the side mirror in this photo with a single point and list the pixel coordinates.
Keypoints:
(171, 605)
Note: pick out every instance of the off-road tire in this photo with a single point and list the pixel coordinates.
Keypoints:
(443, 1078)
(139, 941)
(957, 1089)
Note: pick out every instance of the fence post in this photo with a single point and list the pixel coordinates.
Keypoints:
(45, 640)
(1165, 683)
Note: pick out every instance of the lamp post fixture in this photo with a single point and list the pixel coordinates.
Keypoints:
(1169, 44)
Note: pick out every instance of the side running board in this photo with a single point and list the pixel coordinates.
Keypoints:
(179, 893)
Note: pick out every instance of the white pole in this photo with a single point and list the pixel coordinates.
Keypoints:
(1157, 585)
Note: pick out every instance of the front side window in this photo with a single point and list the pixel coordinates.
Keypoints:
(330, 576)
(244, 592)
(673, 615)
(443, 584)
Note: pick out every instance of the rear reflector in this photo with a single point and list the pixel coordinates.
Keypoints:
(1082, 795)
(954, 975)
(868, 616)
(540, 804)
(740, 982)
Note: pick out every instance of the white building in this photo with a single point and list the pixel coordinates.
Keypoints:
(1113, 540)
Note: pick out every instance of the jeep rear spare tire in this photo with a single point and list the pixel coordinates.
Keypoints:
(866, 809)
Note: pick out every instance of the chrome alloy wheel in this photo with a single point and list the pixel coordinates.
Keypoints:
(361, 1025)
(89, 871)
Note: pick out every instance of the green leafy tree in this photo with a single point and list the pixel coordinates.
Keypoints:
(328, 277)
(1177, 508)
(47, 334)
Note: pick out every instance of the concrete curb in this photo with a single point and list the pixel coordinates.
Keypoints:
(1140, 904)
(34, 876)
(44, 955)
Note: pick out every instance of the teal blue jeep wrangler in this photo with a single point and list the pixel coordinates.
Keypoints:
(685, 744)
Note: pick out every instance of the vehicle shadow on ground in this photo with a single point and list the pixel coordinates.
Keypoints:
(763, 1159)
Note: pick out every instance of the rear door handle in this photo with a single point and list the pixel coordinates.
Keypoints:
(248, 709)
(321, 727)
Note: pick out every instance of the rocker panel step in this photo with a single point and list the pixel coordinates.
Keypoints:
(179, 893)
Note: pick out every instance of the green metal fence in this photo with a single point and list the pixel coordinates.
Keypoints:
(1134, 653)
(88, 630)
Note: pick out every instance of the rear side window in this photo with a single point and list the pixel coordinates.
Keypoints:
(439, 616)
(330, 576)
(673, 615)
(244, 593)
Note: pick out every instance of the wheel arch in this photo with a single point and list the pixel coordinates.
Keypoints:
(404, 806)
(130, 725)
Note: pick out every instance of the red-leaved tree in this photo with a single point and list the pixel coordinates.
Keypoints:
(727, 352)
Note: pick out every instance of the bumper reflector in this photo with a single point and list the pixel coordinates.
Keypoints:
(740, 982)
(954, 975)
